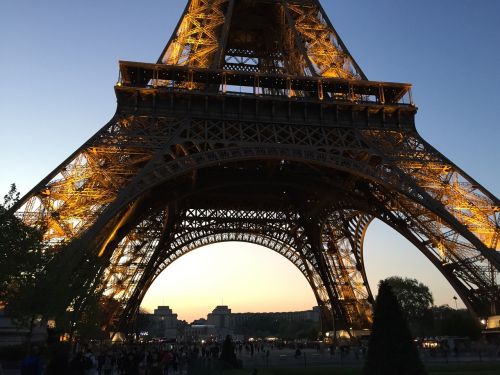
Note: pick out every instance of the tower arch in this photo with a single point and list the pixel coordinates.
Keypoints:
(306, 122)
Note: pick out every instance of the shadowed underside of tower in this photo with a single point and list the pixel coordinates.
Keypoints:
(257, 125)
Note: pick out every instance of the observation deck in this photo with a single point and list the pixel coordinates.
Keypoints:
(166, 89)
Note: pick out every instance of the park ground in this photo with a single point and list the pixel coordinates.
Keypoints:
(444, 369)
(483, 368)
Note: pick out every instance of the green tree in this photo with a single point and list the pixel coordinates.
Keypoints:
(451, 322)
(40, 282)
(72, 297)
(22, 259)
(414, 297)
(268, 325)
(391, 349)
(416, 301)
(21, 251)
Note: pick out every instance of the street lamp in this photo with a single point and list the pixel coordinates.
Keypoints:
(455, 298)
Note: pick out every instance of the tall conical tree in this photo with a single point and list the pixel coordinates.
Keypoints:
(228, 356)
(391, 350)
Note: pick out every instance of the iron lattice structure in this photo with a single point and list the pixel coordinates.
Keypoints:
(257, 125)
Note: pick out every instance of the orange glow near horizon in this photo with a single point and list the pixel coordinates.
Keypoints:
(251, 278)
(246, 277)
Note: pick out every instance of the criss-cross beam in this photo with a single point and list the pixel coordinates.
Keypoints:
(342, 239)
(302, 39)
(200, 227)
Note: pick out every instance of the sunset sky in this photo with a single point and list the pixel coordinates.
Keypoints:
(59, 63)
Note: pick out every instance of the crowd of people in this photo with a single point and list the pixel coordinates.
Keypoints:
(115, 360)
(146, 359)
(167, 358)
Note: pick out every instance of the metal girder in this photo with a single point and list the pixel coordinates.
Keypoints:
(179, 147)
(67, 201)
(342, 238)
(321, 44)
(299, 32)
(277, 230)
(187, 145)
(197, 38)
(248, 79)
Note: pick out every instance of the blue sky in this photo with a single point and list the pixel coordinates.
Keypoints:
(58, 65)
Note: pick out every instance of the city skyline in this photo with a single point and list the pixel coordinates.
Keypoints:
(162, 309)
(58, 92)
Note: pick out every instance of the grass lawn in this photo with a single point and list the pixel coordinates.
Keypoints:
(452, 369)
(466, 368)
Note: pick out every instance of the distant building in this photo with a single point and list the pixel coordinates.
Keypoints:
(294, 316)
(200, 322)
(223, 321)
(219, 323)
(11, 335)
(492, 331)
(166, 322)
(493, 322)
(163, 323)
(201, 332)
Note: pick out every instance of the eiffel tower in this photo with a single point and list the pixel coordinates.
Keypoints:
(257, 125)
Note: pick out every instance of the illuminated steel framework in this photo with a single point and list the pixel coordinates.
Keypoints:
(257, 125)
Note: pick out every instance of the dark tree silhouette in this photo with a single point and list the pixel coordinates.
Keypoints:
(41, 282)
(415, 300)
(21, 251)
(391, 349)
(450, 322)
(414, 297)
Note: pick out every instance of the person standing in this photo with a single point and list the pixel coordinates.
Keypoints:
(59, 363)
(90, 363)
(109, 363)
(32, 363)
(76, 365)
(100, 361)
